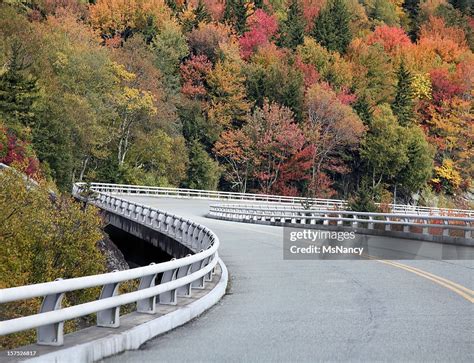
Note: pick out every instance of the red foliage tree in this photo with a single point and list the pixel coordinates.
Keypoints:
(269, 149)
(262, 28)
(275, 139)
(444, 85)
(392, 38)
(293, 172)
(14, 151)
(194, 72)
(311, 9)
(310, 74)
(346, 97)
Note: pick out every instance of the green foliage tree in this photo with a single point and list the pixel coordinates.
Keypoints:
(18, 90)
(331, 26)
(418, 170)
(195, 125)
(396, 155)
(203, 172)
(292, 28)
(383, 149)
(170, 47)
(275, 78)
(157, 159)
(403, 104)
(383, 11)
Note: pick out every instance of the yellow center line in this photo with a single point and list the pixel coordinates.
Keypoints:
(450, 285)
(460, 287)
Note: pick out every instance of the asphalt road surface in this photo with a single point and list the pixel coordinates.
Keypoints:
(304, 311)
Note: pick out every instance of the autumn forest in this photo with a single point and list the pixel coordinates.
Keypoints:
(364, 100)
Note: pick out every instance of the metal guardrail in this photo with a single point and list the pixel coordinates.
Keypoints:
(345, 218)
(314, 203)
(177, 277)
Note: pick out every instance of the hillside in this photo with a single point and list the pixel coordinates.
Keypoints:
(328, 98)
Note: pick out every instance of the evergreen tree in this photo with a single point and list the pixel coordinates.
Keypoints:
(363, 110)
(403, 104)
(465, 6)
(412, 9)
(235, 12)
(258, 4)
(173, 6)
(17, 91)
(292, 29)
(201, 14)
(331, 27)
(363, 199)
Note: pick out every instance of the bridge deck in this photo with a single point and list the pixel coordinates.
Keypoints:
(316, 310)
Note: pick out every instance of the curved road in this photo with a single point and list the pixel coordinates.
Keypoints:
(306, 311)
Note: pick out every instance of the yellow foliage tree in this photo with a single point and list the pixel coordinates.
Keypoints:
(447, 175)
(44, 236)
(421, 86)
(228, 104)
(112, 17)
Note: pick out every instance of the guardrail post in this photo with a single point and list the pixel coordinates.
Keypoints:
(196, 266)
(406, 228)
(147, 306)
(355, 223)
(467, 233)
(51, 334)
(339, 222)
(109, 318)
(425, 229)
(446, 229)
(388, 227)
(370, 225)
(208, 276)
(184, 271)
(325, 221)
(168, 297)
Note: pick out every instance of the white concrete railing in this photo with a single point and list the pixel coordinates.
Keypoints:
(177, 277)
(314, 203)
(409, 222)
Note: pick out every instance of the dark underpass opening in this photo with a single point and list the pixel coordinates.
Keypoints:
(136, 251)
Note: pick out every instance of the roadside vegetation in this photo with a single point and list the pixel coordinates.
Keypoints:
(44, 236)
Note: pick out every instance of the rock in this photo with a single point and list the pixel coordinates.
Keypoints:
(114, 257)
